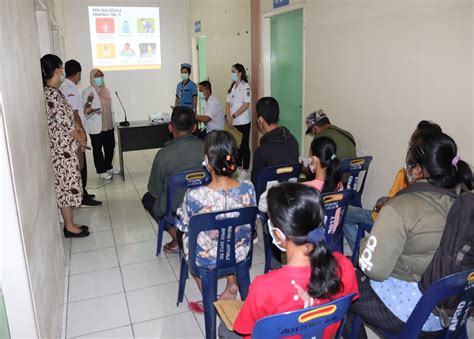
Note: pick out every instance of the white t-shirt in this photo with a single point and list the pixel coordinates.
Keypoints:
(73, 97)
(93, 121)
(213, 109)
(236, 98)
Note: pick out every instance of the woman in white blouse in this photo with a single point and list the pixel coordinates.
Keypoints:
(237, 111)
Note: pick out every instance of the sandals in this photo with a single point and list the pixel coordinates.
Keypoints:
(168, 249)
(196, 307)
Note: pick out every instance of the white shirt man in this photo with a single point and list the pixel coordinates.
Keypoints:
(213, 112)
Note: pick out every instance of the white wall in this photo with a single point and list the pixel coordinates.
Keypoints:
(378, 67)
(146, 91)
(33, 278)
(226, 25)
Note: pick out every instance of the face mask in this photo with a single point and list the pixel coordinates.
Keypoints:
(201, 95)
(63, 77)
(312, 168)
(408, 169)
(184, 76)
(205, 163)
(234, 77)
(99, 81)
(276, 242)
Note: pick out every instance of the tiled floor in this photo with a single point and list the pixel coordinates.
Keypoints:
(115, 285)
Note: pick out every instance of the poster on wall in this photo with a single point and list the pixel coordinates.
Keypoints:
(125, 38)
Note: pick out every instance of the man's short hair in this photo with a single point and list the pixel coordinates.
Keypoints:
(183, 119)
(206, 84)
(72, 67)
(268, 109)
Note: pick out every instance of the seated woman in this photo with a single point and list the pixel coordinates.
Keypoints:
(313, 274)
(324, 164)
(358, 215)
(406, 234)
(222, 193)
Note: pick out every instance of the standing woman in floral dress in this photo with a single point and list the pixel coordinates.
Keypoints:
(65, 139)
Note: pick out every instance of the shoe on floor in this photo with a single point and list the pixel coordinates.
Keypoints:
(89, 202)
(105, 176)
(87, 195)
(255, 237)
(68, 234)
(113, 171)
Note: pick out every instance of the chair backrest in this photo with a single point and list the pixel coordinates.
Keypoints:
(357, 170)
(225, 223)
(182, 181)
(308, 322)
(279, 173)
(335, 207)
(461, 283)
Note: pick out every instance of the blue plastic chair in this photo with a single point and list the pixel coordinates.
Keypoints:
(309, 322)
(279, 173)
(357, 169)
(184, 180)
(225, 222)
(332, 202)
(361, 230)
(458, 284)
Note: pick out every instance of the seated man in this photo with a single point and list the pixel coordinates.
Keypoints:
(319, 126)
(213, 112)
(277, 145)
(183, 153)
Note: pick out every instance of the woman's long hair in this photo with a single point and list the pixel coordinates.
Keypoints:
(240, 68)
(325, 149)
(297, 210)
(221, 151)
(49, 63)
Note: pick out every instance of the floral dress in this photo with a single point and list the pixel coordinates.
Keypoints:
(205, 200)
(67, 177)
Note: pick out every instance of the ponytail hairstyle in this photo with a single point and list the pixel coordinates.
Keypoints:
(49, 63)
(424, 126)
(240, 68)
(324, 149)
(221, 151)
(437, 153)
(298, 212)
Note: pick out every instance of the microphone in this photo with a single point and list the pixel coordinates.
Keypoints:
(126, 122)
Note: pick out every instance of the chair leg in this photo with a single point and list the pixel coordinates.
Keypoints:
(209, 295)
(356, 327)
(243, 280)
(183, 276)
(267, 242)
(159, 238)
(361, 229)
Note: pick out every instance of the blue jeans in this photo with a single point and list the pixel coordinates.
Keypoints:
(355, 216)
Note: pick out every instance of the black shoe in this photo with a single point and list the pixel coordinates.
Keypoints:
(84, 227)
(68, 234)
(89, 202)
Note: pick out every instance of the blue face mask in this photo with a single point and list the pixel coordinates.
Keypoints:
(63, 77)
(99, 81)
(201, 95)
(184, 76)
(234, 77)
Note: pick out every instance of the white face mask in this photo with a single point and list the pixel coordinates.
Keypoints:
(312, 162)
(408, 169)
(276, 242)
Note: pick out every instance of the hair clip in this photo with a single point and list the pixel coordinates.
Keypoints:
(232, 167)
(333, 156)
(224, 169)
(316, 235)
(227, 158)
(455, 161)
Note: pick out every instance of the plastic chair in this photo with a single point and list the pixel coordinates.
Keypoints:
(334, 201)
(184, 180)
(225, 222)
(458, 284)
(357, 169)
(361, 230)
(278, 173)
(308, 322)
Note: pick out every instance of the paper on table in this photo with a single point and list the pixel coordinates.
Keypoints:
(228, 311)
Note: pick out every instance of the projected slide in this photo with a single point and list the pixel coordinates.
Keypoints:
(125, 38)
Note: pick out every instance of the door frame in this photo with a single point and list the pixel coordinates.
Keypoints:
(265, 52)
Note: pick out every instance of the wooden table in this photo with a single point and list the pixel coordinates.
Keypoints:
(140, 135)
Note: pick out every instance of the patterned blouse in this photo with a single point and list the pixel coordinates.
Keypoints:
(205, 200)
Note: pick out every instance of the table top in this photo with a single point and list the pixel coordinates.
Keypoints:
(139, 123)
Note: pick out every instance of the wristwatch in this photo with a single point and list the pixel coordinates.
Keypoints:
(234, 116)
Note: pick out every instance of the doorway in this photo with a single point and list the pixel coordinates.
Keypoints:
(282, 44)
